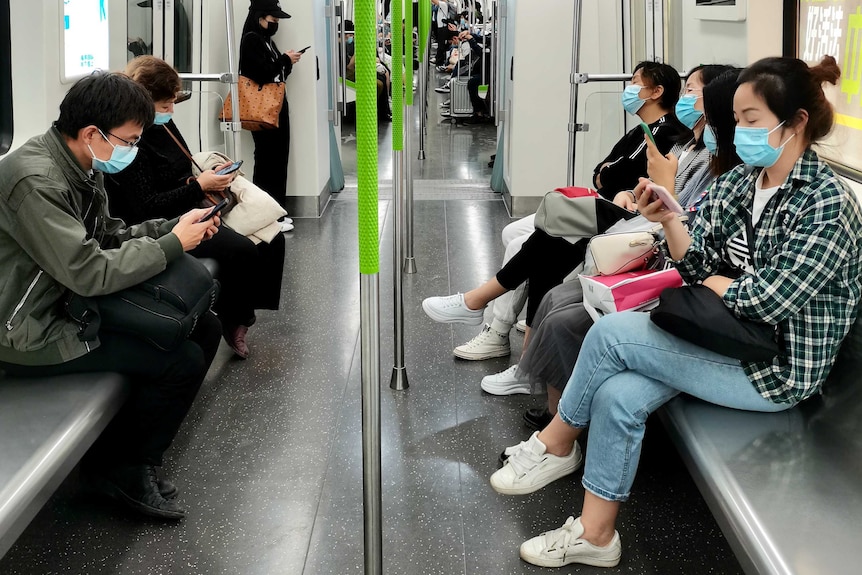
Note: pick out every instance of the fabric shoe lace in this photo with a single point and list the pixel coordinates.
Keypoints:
(524, 460)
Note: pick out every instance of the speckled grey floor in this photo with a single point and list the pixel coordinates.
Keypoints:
(269, 461)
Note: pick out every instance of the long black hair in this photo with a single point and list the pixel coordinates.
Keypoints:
(252, 21)
(718, 107)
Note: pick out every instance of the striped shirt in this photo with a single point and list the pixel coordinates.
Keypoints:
(806, 262)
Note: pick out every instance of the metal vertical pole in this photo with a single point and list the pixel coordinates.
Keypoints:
(399, 372)
(573, 94)
(409, 266)
(233, 67)
(372, 499)
(423, 103)
(369, 252)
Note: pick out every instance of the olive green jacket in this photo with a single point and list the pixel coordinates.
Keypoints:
(56, 236)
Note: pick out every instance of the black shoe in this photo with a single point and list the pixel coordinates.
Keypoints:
(537, 418)
(92, 476)
(138, 487)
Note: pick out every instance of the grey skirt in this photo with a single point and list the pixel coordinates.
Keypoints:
(559, 328)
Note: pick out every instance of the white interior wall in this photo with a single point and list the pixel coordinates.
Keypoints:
(715, 42)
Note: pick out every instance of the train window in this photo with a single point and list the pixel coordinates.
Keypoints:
(85, 38)
(140, 28)
(834, 28)
(5, 78)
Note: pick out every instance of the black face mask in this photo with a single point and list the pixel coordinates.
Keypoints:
(270, 30)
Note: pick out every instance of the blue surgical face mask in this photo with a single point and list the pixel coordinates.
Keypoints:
(685, 110)
(120, 158)
(350, 39)
(752, 145)
(162, 118)
(709, 140)
(631, 102)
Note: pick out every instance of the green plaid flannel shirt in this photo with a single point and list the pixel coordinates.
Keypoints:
(807, 265)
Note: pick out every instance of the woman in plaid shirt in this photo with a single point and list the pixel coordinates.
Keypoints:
(804, 279)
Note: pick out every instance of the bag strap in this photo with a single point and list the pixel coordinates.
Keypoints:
(183, 148)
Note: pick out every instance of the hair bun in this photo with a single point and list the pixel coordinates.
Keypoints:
(826, 71)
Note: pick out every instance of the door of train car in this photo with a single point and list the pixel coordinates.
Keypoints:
(173, 30)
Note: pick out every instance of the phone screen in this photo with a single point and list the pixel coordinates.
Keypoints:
(230, 169)
(214, 211)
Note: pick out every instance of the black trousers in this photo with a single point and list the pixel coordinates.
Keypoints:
(479, 106)
(271, 151)
(164, 387)
(442, 34)
(545, 261)
(250, 275)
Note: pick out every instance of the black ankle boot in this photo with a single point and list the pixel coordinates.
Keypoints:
(138, 487)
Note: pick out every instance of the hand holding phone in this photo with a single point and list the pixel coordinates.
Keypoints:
(216, 209)
(229, 169)
(660, 193)
(303, 50)
(647, 132)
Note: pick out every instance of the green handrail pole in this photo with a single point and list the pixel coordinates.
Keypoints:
(424, 37)
(365, 38)
(409, 265)
(399, 372)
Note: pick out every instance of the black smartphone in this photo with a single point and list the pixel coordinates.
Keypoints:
(230, 169)
(648, 133)
(213, 211)
(304, 49)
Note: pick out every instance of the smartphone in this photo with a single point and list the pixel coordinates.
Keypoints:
(660, 193)
(648, 132)
(304, 49)
(230, 169)
(214, 211)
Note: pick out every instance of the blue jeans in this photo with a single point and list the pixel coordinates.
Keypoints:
(628, 367)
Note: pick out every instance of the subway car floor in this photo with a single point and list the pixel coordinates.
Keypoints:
(269, 460)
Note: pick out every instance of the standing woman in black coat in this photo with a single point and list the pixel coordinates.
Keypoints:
(261, 60)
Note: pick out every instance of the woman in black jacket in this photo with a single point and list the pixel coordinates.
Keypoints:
(159, 184)
(261, 61)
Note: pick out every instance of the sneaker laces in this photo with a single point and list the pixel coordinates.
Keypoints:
(482, 338)
(524, 460)
(508, 372)
(560, 539)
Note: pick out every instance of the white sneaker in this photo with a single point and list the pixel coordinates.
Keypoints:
(529, 468)
(489, 343)
(521, 326)
(286, 220)
(285, 226)
(452, 309)
(564, 545)
(505, 383)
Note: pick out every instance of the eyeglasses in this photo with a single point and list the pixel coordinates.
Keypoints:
(126, 142)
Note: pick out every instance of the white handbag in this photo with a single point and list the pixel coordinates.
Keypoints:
(622, 252)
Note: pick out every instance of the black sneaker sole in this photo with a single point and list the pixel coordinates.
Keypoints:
(114, 492)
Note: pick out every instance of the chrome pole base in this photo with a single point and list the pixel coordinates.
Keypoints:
(409, 266)
(399, 379)
(421, 155)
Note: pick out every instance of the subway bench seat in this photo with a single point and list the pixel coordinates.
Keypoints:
(46, 426)
(785, 488)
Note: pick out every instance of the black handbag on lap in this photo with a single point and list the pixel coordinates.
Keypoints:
(697, 314)
(162, 310)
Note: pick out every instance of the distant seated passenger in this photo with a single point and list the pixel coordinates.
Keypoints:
(159, 184)
(57, 237)
(802, 277)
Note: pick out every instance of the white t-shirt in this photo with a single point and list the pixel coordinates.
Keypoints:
(738, 247)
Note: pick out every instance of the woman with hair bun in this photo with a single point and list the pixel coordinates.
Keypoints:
(802, 277)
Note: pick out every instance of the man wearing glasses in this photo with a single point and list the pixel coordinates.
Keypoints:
(57, 237)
